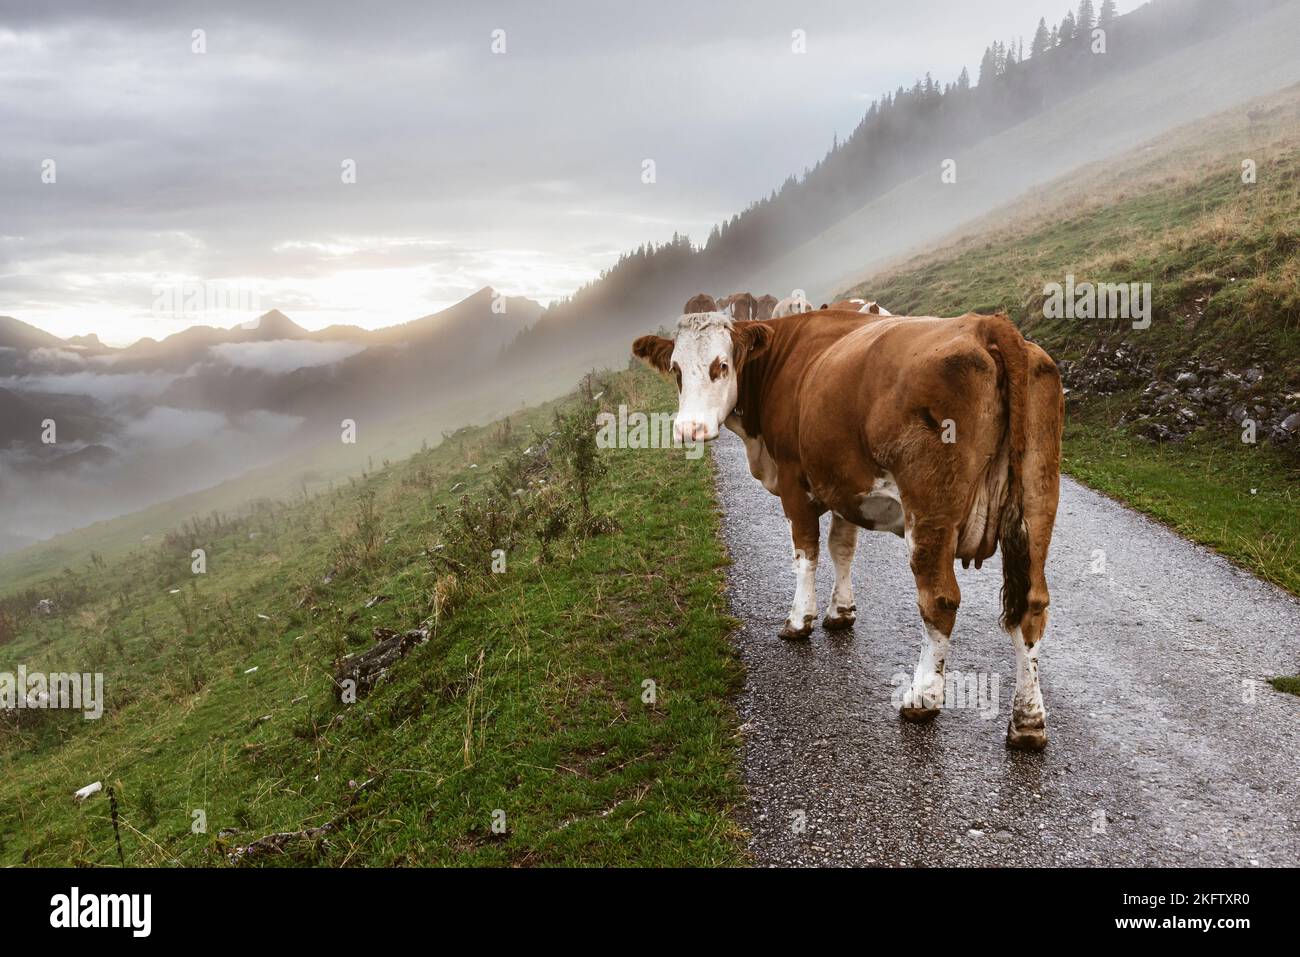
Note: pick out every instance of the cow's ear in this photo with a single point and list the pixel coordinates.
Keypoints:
(656, 350)
(752, 339)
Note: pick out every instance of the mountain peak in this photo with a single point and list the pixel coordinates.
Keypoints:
(273, 325)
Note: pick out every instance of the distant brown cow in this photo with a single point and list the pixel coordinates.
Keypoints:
(701, 302)
(766, 304)
(740, 306)
(946, 432)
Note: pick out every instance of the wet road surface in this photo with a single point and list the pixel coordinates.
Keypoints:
(1167, 746)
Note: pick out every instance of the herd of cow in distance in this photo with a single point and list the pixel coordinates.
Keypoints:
(945, 432)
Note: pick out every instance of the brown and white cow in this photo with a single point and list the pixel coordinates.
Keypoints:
(739, 305)
(946, 432)
(864, 306)
(792, 306)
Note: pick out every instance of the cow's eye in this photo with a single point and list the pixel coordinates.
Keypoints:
(723, 369)
(677, 371)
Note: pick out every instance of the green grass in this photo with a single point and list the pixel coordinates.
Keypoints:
(1289, 683)
(1224, 261)
(528, 698)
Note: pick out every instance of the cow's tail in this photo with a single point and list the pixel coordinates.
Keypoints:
(1013, 535)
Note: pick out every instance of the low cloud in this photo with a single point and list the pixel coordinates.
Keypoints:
(164, 453)
(279, 356)
(106, 387)
(166, 427)
(48, 355)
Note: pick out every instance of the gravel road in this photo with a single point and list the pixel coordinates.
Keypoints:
(1167, 744)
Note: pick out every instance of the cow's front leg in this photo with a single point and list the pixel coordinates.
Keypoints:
(842, 542)
(804, 534)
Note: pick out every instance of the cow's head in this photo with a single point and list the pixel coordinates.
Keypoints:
(706, 358)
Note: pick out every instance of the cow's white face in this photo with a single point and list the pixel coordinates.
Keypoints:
(705, 359)
(703, 362)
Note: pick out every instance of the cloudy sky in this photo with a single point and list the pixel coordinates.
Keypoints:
(520, 170)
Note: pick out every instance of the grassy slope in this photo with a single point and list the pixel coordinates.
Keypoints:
(527, 698)
(1224, 261)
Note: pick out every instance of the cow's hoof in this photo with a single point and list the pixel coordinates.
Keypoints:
(917, 715)
(789, 632)
(841, 620)
(1031, 737)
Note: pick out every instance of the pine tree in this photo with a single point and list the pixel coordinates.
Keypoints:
(988, 67)
(1055, 39)
(1087, 17)
(1068, 31)
(963, 80)
(1108, 13)
(1039, 45)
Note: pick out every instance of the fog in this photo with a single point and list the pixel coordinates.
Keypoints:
(1106, 120)
(166, 453)
(103, 386)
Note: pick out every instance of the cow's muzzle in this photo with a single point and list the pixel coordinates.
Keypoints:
(694, 430)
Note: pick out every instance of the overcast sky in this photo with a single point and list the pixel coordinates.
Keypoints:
(519, 170)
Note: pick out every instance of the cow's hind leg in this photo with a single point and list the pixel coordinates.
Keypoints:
(937, 597)
(1027, 730)
(804, 535)
(842, 543)
(1024, 549)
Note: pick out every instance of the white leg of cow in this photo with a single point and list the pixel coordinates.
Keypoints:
(803, 611)
(1028, 727)
(804, 533)
(924, 697)
(842, 542)
(937, 598)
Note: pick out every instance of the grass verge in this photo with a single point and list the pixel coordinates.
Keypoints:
(572, 710)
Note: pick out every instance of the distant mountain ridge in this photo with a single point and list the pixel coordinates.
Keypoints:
(160, 418)
(16, 334)
(511, 312)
